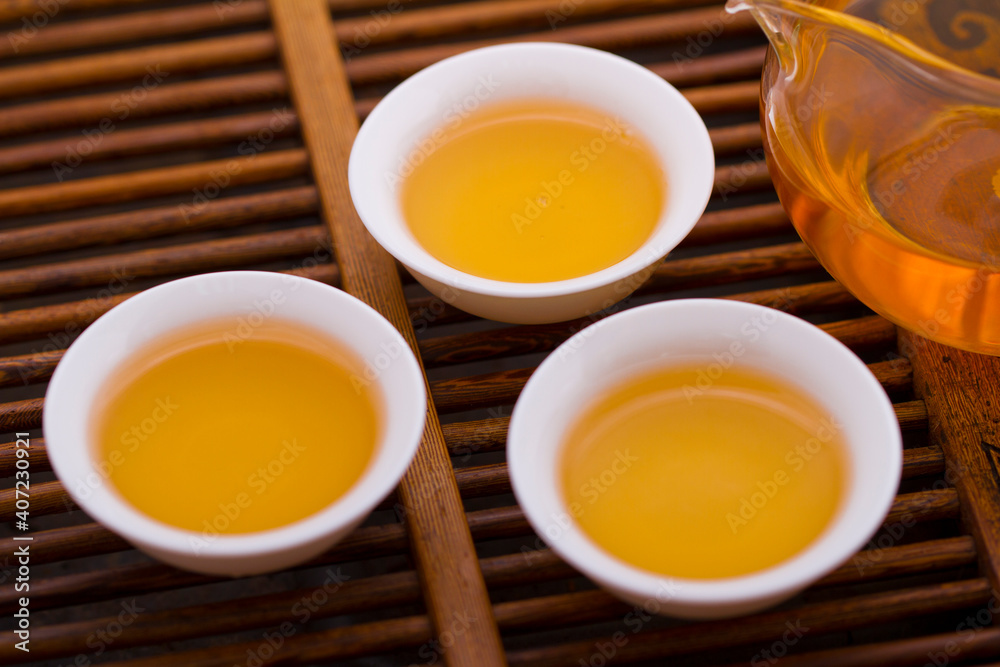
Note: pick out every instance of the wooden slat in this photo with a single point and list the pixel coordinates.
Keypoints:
(736, 224)
(11, 10)
(51, 497)
(155, 222)
(121, 270)
(490, 15)
(479, 391)
(441, 542)
(742, 96)
(461, 348)
(971, 643)
(609, 35)
(61, 154)
(733, 138)
(254, 47)
(912, 415)
(895, 376)
(212, 176)
(62, 321)
(90, 111)
(414, 24)
(747, 176)
(731, 267)
(797, 299)
(20, 415)
(148, 66)
(45, 498)
(38, 458)
(387, 590)
(713, 68)
(864, 333)
(473, 437)
(821, 618)
(351, 596)
(91, 539)
(929, 505)
(963, 406)
(25, 369)
(136, 27)
(800, 299)
(895, 561)
(567, 609)
(920, 461)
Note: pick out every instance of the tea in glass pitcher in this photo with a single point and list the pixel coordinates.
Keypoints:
(881, 123)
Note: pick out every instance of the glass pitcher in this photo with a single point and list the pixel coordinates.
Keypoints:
(881, 126)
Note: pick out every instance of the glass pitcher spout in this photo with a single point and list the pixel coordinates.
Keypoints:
(881, 126)
(792, 25)
(771, 16)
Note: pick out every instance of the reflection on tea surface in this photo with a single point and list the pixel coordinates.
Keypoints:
(534, 190)
(231, 428)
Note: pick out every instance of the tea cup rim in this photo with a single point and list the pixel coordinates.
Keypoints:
(90, 361)
(533, 444)
(389, 228)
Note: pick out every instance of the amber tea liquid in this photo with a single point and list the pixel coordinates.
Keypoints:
(704, 483)
(891, 174)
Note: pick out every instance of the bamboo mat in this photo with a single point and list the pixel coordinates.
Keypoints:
(142, 141)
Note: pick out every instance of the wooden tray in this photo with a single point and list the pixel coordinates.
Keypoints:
(143, 141)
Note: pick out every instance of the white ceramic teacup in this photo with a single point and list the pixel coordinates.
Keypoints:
(252, 295)
(399, 134)
(719, 334)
